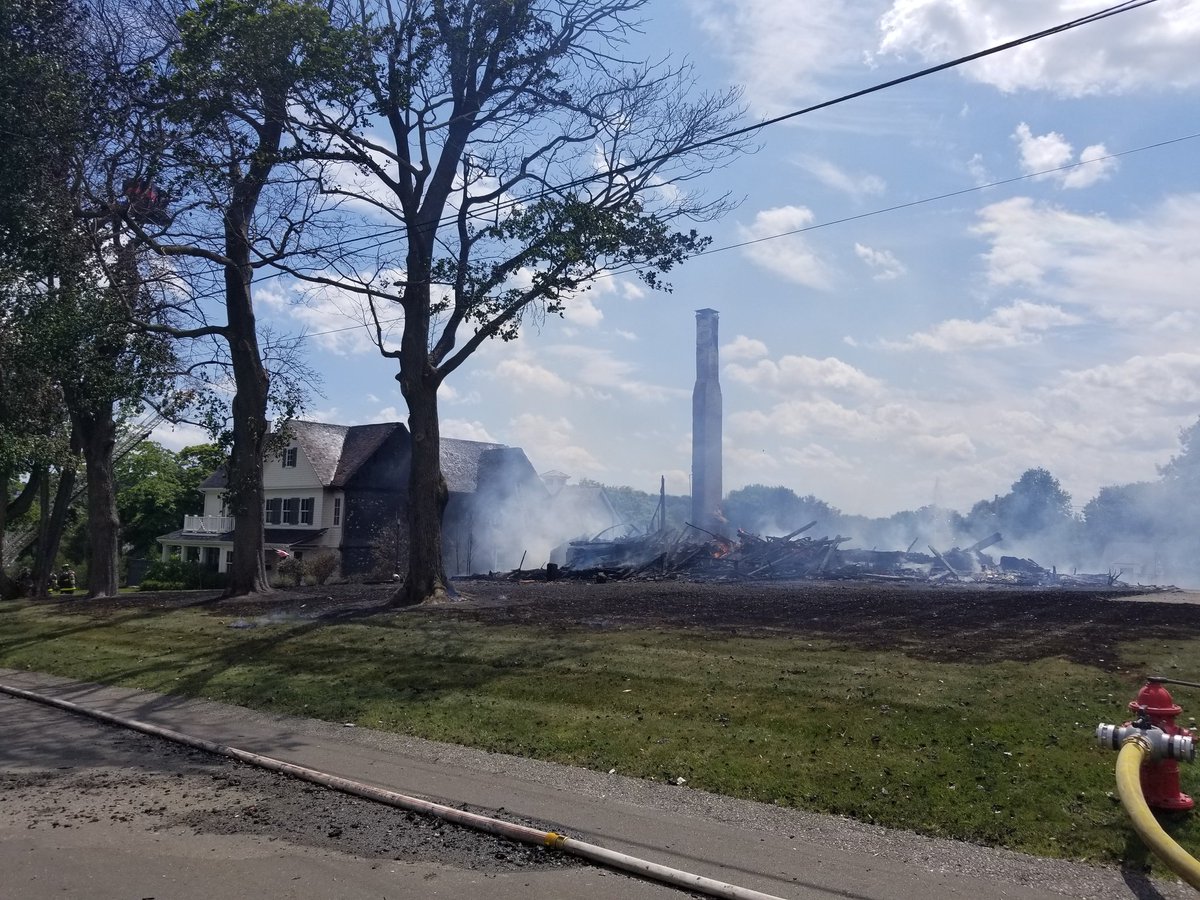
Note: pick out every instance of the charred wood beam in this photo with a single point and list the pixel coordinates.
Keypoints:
(978, 546)
(949, 567)
(800, 530)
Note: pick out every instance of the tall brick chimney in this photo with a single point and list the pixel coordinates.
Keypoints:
(706, 427)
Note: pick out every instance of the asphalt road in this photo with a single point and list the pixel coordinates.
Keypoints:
(88, 810)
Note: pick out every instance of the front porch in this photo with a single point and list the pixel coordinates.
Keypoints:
(199, 541)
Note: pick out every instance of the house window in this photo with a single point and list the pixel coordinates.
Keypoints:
(306, 510)
(273, 511)
(337, 511)
(228, 558)
(289, 458)
(291, 511)
(193, 554)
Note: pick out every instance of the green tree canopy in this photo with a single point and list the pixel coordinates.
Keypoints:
(156, 488)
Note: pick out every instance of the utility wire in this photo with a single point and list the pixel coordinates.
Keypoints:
(865, 215)
(402, 231)
(945, 196)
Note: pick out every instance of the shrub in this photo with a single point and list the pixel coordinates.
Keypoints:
(176, 575)
(321, 567)
(289, 570)
(389, 551)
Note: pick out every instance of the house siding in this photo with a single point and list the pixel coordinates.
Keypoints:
(301, 475)
(374, 499)
(495, 497)
(214, 501)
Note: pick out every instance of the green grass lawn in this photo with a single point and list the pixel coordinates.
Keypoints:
(999, 754)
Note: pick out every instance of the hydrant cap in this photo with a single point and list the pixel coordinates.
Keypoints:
(1157, 700)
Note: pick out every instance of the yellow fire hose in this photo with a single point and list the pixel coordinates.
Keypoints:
(1129, 787)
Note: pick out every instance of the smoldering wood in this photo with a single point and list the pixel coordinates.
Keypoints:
(942, 560)
(680, 554)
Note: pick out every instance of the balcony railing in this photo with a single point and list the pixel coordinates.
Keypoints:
(207, 524)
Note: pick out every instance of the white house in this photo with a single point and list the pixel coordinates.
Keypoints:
(338, 487)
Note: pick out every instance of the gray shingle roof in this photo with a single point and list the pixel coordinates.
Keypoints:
(337, 451)
(322, 445)
(334, 451)
(460, 463)
(361, 442)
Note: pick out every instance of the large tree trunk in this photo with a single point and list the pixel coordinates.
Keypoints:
(8, 587)
(53, 521)
(427, 497)
(427, 493)
(98, 433)
(247, 573)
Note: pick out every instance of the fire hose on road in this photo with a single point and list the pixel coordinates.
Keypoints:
(520, 833)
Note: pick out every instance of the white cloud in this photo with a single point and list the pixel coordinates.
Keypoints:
(953, 447)
(176, 437)
(1102, 424)
(1099, 165)
(1169, 384)
(857, 185)
(908, 430)
(552, 443)
(793, 375)
(605, 374)
(743, 348)
(387, 414)
(580, 310)
(815, 457)
(789, 255)
(1010, 326)
(782, 51)
(522, 374)
(1149, 48)
(337, 320)
(883, 262)
(1042, 153)
(630, 289)
(978, 170)
(1132, 271)
(467, 431)
(329, 414)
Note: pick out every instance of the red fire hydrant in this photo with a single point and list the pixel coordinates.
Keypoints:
(1160, 778)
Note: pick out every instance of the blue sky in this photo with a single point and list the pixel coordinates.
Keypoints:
(929, 354)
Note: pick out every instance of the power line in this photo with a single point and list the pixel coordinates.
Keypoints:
(946, 196)
(865, 215)
(1088, 19)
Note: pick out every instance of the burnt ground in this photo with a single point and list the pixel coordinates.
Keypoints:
(937, 622)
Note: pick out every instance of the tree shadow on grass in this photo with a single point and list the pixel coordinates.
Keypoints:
(274, 665)
(98, 617)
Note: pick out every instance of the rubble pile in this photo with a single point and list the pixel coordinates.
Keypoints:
(695, 554)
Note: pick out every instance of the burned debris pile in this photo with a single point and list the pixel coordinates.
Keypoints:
(692, 553)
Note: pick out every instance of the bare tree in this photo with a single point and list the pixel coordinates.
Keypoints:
(524, 157)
